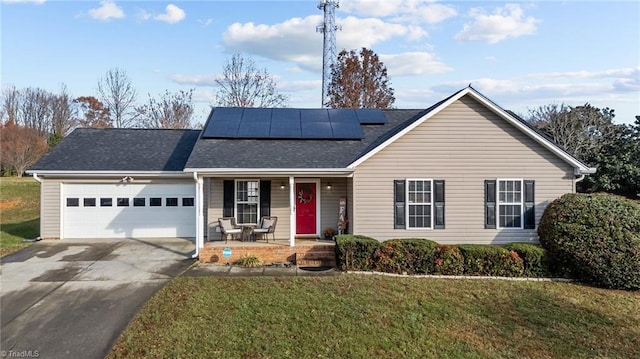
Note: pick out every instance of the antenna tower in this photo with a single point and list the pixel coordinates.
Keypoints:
(328, 29)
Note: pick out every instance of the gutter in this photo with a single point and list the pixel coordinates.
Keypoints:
(197, 251)
(35, 177)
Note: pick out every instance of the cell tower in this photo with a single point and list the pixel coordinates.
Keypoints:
(328, 29)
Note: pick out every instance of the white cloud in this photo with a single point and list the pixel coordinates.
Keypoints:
(296, 40)
(143, 15)
(414, 11)
(625, 72)
(413, 63)
(505, 22)
(302, 85)
(172, 15)
(205, 22)
(37, 2)
(195, 80)
(107, 10)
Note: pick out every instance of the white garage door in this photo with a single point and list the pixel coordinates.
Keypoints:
(128, 210)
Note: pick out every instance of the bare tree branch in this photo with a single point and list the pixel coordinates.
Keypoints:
(117, 93)
(170, 111)
(244, 85)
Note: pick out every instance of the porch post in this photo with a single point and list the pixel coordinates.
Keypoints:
(199, 215)
(292, 214)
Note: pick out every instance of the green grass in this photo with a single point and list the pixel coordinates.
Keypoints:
(19, 212)
(355, 316)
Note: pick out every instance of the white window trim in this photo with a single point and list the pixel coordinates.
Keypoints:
(406, 203)
(235, 198)
(498, 204)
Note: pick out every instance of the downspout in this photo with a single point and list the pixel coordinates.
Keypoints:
(580, 178)
(199, 215)
(35, 177)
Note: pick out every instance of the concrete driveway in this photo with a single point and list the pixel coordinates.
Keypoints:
(72, 299)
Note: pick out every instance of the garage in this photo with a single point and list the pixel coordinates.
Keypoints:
(128, 210)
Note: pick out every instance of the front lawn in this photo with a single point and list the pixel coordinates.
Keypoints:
(357, 316)
(19, 212)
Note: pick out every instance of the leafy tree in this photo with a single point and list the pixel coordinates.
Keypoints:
(119, 96)
(21, 147)
(170, 111)
(92, 113)
(359, 80)
(242, 84)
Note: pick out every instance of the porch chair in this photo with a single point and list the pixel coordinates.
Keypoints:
(228, 228)
(267, 226)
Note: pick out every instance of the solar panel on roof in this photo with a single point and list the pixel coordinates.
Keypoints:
(283, 123)
(371, 116)
(255, 123)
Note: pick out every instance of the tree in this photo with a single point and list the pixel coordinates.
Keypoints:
(579, 130)
(92, 113)
(119, 96)
(10, 104)
(35, 110)
(244, 85)
(62, 116)
(170, 111)
(21, 147)
(359, 80)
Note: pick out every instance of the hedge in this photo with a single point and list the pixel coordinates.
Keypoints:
(536, 261)
(490, 260)
(406, 255)
(423, 256)
(355, 252)
(595, 237)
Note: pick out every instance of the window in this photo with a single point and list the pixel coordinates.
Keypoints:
(155, 201)
(123, 202)
(187, 202)
(139, 202)
(73, 202)
(247, 201)
(106, 202)
(172, 202)
(419, 203)
(510, 203)
(89, 202)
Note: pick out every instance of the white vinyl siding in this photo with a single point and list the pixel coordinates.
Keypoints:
(464, 144)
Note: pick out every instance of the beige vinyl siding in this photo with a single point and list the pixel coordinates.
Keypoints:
(330, 198)
(50, 205)
(279, 205)
(464, 144)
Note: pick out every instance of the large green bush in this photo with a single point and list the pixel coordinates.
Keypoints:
(406, 255)
(596, 237)
(355, 252)
(536, 262)
(449, 261)
(491, 261)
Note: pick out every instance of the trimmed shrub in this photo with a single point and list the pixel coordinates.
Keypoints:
(536, 261)
(355, 252)
(249, 261)
(449, 261)
(490, 260)
(596, 237)
(406, 255)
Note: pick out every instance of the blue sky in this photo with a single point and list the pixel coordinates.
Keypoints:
(520, 54)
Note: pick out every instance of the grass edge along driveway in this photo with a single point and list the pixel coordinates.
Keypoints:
(20, 212)
(359, 316)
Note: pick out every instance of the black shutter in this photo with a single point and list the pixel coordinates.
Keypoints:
(227, 198)
(265, 198)
(398, 202)
(529, 205)
(490, 204)
(438, 189)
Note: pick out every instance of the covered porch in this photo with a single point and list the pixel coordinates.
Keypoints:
(304, 204)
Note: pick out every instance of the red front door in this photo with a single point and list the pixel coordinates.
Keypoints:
(306, 208)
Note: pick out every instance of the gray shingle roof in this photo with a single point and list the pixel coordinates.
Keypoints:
(267, 153)
(119, 149)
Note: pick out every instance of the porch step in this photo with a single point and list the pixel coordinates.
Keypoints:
(316, 258)
(316, 263)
